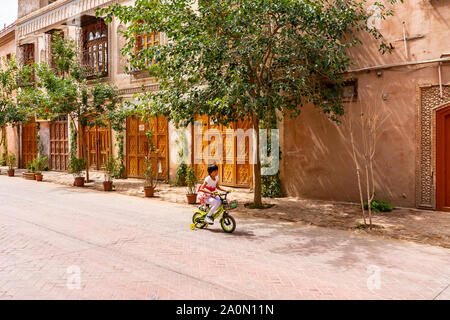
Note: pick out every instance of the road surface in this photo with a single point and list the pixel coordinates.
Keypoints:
(58, 242)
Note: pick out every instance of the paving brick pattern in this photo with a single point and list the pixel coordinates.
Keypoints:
(132, 248)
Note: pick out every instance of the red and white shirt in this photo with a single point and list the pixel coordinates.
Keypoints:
(211, 185)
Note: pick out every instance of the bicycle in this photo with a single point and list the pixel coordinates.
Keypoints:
(227, 222)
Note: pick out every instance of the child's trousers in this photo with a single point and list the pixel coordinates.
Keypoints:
(214, 202)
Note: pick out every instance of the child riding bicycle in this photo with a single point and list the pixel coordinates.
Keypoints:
(208, 188)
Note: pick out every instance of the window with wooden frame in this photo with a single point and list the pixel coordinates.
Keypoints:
(349, 90)
(95, 48)
(144, 42)
(28, 54)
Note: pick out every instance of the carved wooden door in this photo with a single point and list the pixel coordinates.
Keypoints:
(443, 160)
(29, 143)
(59, 145)
(216, 144)
(137, 147)
(98, 146)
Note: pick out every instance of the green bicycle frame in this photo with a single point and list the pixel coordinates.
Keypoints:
(219, 211)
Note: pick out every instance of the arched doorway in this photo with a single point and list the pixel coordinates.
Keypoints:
(443, 159)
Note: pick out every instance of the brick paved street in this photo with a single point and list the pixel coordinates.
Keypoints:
(131, 248)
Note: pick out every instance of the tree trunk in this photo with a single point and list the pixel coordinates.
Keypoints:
(83, 150)
(257, 166)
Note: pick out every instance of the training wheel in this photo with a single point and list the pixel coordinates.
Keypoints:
(192, 226)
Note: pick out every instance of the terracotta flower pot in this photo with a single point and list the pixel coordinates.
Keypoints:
(11, 172)
(39, 176)
(107, 185)
(191, 198)
(29, 175)
(149, 191)
(79, 182)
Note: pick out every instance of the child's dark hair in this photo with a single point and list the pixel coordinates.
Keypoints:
(212, 168)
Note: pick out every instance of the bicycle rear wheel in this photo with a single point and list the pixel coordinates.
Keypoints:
(199, 221)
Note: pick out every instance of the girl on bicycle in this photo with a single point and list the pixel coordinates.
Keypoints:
(208, 188)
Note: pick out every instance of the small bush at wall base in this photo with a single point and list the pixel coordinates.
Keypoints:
(380, 206)
(180, 180)
(271, 187)
(4, 155)
(120, 171)
(191, 181)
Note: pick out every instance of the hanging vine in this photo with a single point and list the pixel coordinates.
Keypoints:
(117, 119)
(5, 147)
(271, 185)
(73, 141)
(120, 170)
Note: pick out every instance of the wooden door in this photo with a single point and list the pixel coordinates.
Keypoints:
(29, 143)
(98, 146)
(443, 160)
(204, 147)
(137, 146)
(59, 146)
(232, 158)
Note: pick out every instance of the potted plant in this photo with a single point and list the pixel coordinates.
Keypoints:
(110, 167)
(11, 162)
(191, 181)
(150, 175)
(76, 167)
(150, 180)
(30, 175)
(40, 163)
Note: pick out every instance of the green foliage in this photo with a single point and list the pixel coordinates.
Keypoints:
(76, 166)
(380, 206)
(180, 180)
(64, 89)
(150, 174)
(230, 60)
(271, 186)
(191, 181)
(244, 59)
(120, 168)
(151, 146)
(40, 164)
(73, 141)
(11, 161)
(5, 147)
(30, 167)
(12, 112)
(361, 226)
(110, 167)
(117, 118)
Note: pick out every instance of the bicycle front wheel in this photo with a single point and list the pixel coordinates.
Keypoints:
(228, 224)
